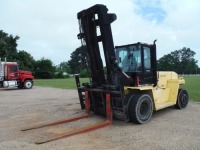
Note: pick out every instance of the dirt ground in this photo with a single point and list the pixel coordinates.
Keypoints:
(168, 129)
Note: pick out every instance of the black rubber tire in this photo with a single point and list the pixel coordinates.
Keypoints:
(141, 108)
(182, 99)
(1, 84)
(127, 101)
(20, 86)
(128, 98)
(28, 84)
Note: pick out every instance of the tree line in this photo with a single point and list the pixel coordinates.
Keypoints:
(181, 61)
(43, 68)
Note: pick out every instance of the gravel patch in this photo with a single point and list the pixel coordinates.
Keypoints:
(168, 129)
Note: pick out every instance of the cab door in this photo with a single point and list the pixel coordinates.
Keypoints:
(149, 64)
(12, 72)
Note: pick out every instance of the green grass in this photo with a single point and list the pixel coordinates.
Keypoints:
(192, 85)
(68, 83)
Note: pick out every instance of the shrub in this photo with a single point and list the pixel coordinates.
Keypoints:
(43, 75)
(84, 74)
(61, 74)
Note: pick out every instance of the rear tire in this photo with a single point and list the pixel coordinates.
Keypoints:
(28, 84)
(182, 99)
(141, 108)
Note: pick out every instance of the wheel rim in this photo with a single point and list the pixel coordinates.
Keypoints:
(184, 100)
(145, 110)
(28, 84)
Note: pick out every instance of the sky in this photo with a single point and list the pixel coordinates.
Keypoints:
(49, 28)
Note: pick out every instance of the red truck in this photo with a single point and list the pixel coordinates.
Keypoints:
(11, 76)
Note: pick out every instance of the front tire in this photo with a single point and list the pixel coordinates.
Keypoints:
(28, 84)
(141, 108)
(182, 99)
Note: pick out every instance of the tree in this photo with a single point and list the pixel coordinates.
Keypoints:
(25, 61)
(78, 60)
(8, 49)
(85, 73)
(44, 68)
(62, 70)
(64, 67)
(181, 61)
(8, 46)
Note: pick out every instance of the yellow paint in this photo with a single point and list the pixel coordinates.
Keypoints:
(166, 91)
(161, 95)
(139, 88)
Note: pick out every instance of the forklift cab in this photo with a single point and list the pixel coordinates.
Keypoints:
(139, 62)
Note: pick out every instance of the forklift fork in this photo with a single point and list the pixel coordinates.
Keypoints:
(80, 130)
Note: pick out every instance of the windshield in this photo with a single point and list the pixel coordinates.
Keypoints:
(14, 68)
(129, 58)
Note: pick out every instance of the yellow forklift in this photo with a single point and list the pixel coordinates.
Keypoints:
(128, 87)
(136, 87)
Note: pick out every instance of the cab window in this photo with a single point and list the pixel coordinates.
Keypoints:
(13, 68)
(129, 58)
(147, 58)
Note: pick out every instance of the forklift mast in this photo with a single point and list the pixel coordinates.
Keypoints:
(95, 29)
